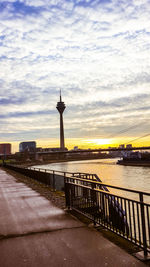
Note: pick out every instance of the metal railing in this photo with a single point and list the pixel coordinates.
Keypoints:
(126, 217)
(84, 175)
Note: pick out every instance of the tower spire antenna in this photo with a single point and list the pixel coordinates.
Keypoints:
(60, 96)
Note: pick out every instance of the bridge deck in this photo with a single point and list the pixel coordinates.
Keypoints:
(36, 233)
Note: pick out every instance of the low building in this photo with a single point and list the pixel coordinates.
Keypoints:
(122, 146)
(5, 149)
(129, 146)
(27, 146)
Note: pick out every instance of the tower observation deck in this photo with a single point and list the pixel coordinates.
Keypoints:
(61, 107)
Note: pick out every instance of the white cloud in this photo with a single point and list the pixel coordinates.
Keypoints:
(101, 50)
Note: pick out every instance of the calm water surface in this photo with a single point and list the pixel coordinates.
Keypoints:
(109, 172)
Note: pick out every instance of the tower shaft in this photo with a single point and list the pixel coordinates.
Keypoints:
(62, 140)
(61, 107)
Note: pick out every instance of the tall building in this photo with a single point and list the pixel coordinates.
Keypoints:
(5, 149)
(61, 107)
(27, 146)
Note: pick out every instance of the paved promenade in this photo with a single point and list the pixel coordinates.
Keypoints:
(35, 233)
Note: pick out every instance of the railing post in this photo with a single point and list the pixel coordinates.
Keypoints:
(93, 194)
(143, 224)
(67, 191)
(94, 202)
(54, 186)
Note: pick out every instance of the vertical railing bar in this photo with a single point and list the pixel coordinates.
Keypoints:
(119, 219)
(126, 214)
(130, 218)
(122, 214)
(116, 207)
(134, 222)
(98, 207)
(148, 222)
(143, 224)
(106, 201)
(54, 180)
(103, 208)
(138, 219)
(112, 213)
(108, 217)
(115, 219)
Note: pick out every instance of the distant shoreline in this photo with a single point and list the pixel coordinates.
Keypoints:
(59, 161)
(33, 163)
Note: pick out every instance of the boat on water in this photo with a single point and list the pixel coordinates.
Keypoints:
(135, 159)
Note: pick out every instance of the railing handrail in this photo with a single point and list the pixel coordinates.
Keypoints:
(52, 170)
(111, 186)
(96, 182)
(88, 180)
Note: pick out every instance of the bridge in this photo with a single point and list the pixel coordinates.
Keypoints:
(63, 153)
(89, 152)
(93, 150)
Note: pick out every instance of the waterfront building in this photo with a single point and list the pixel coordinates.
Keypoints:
(61, 107)
(27, 146)
(76, 148)
(5, 149)
(129, 146)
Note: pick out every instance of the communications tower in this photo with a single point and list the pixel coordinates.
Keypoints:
(61, 107)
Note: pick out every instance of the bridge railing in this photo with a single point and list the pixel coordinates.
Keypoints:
(126, 217)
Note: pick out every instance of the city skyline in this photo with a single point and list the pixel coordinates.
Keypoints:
(97, 52)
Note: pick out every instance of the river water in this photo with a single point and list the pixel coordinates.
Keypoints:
(137, 178)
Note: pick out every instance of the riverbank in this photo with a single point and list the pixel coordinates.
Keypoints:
(29, 163)
(33, 163)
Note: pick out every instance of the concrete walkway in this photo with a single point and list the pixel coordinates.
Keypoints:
(35, 233)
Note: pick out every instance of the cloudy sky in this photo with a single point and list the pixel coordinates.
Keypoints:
(96, 51)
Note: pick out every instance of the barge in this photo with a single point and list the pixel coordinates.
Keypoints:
(135, 159)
